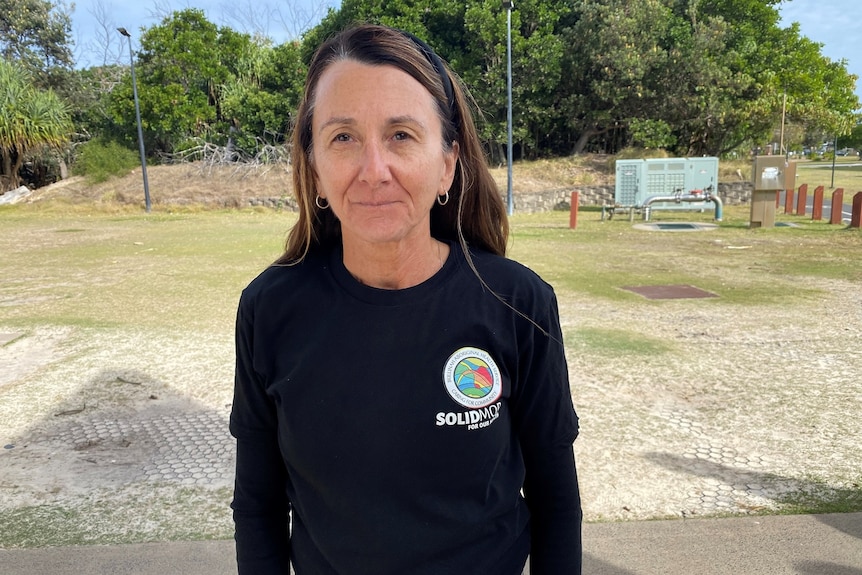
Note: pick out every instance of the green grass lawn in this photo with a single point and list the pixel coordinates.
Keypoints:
(164, 270)
(177, 276)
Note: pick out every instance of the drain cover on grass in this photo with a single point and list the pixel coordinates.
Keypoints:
(672, 227)
(669, 292)
(675, 226)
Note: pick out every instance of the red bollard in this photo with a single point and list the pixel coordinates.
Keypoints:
(837, 206)
(801, 199)
(573, 213)
(788, 201)
(856, 217)
(817, 205)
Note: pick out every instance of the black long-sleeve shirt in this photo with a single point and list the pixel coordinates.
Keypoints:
(397, 428)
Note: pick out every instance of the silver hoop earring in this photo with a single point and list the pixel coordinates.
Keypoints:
(443, 199)
(317, 203)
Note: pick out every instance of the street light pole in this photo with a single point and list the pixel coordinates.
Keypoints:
(508, 5)
(125, 33)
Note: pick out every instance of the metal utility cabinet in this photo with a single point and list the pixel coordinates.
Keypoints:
(639, 180)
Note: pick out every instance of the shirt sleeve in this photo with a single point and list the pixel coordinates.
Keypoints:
(546, 424)
(260, 506)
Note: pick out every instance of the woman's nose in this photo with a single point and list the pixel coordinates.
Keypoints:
(375, 165)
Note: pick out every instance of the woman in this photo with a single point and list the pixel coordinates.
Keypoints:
(398, 381)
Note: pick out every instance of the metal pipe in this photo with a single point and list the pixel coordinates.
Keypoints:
(719, 206)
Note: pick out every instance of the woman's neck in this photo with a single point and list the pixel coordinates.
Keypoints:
(395, 266)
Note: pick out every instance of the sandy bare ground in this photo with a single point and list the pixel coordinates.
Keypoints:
(118, 435)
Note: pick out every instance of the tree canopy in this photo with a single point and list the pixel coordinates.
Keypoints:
(30, 119)
(202, 83)
(694, 77)
(37, 35)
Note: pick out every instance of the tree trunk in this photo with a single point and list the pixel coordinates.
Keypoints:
(8, 176)
(583, 140)
(17, 162)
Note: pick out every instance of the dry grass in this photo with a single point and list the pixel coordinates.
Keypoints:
(189, 184)
(198, 184)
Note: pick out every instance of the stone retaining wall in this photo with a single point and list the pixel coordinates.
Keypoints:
(734, 193)
(559, 199)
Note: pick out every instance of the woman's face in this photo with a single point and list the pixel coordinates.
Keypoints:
(377, 153)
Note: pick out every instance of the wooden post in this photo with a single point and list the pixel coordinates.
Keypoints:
(573, 213)
(817, 206)
(856, 216)
(788, 201)
(837, 206)
(801, 199)
(777, 198)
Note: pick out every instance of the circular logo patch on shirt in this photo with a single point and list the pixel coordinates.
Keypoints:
(472, 378)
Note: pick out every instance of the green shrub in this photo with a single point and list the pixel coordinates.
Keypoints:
(98, 160)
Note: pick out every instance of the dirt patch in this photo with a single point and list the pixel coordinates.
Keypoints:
(22, 354)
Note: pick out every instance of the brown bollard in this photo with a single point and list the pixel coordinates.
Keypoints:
(777, 198)
(788, 201)
(817, 205)
(801, 199)
(856, 216)
(573, 213)
(837, 206)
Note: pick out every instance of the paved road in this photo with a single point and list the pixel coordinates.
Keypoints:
(773, 545)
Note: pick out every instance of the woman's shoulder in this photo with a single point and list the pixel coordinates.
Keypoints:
(505, 275)
(504, 266)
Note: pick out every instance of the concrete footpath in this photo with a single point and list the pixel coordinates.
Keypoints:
(801, 545)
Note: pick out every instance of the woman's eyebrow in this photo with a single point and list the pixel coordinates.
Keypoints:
(407, 119)
(348, 121)
(337, 120)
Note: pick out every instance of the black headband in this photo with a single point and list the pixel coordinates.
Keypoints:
(437, 63)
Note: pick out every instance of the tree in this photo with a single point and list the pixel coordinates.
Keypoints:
(820, 93)
(36, 34)
(537, 57)
(714, 103)
(259, 102)
(705, 76)
(736, 56)
(853, 139)
(182, 65)
(198, 82)
(613, 70)
(30, 119)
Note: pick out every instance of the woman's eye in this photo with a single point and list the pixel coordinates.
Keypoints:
(342, 138)
(401, 136)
